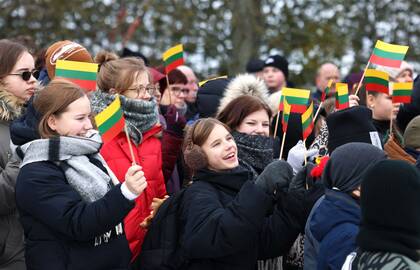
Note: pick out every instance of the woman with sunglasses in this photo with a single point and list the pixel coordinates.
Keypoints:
(17, 85)
(130, 79)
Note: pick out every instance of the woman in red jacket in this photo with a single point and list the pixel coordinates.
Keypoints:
(130, 78)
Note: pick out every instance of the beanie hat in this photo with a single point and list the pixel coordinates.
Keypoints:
(347, 165)
(390, 219)
(129, 53)
(353, 124)
(394, 72)
(254, 65)
(65, 50)
(279, 62)
(412, 133)
(209, 96)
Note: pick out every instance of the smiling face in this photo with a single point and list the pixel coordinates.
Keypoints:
(220, 149)
(256, 123)
(15, 85)
(141, 88)
(75, 121)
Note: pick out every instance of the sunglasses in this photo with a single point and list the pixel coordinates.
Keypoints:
(26, 75)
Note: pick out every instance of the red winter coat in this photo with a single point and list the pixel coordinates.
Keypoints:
(148, 155)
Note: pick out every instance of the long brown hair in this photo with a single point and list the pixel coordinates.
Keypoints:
(239, 108)
(54, 99)
(10, 52)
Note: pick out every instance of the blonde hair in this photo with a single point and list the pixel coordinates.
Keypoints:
(118, 73)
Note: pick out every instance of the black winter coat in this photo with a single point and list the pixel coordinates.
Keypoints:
(63, 232)
(229, 224)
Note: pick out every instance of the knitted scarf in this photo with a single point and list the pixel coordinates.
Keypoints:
(71, 154)
(140, 115)
(255, 150)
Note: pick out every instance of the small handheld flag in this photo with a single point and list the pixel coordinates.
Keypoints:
(327, 91)
(377, 81)
(401, 92)
(286, 115)
(307, 121)
(173, 57)
(341, 96)
(297, 98)
(110, 121)
(81, 73)
(386, 54)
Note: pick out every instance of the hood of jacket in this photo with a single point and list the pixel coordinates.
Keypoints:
(25, 128)
(337, 208)
(10, 106)
(244, 84)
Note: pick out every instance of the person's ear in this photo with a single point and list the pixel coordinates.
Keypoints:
(52, 122)
(370, 101)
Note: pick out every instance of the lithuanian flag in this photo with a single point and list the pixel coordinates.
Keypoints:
(81, 73)
(307, 121)
(173, 57)
(110, 121)
(386, 54)
(327, 91)
(377, 81)
(401, 92)
(286, 115)
(297, 98)
(341, 96)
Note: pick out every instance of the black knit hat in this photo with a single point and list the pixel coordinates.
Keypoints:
(254, 65)
(209, 96)
(351, 125)
(390, 209)
(279, 62)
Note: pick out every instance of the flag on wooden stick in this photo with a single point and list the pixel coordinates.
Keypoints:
(341, 96)
(307, 121)
(81, 73)
(401, 92)
(286, 115)
(327, 91)
(110, 121)
(377, 81)
(297, 98)
(386, 54)
(173, 57)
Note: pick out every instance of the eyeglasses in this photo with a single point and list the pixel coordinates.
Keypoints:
(26, 75)
(142, 90)
(177, 90)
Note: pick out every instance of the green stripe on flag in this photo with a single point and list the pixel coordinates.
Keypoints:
(73, 74)
(110, 122)
(376, 80)
(343, 99)
(307, 123)
(296, 100)
(389, 55)
(402, 92)
(173, 58)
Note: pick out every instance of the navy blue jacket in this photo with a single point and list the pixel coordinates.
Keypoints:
(229, 223)
(334, 225)
(62, 232)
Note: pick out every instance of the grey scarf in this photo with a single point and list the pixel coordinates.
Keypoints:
(70, 153)
(140, 115)
(255, 150)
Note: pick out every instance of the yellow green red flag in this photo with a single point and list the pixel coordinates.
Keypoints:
(377, 81)
(341, 96)
(307, 121)
(387, 54)
(110, 121)
(80, 73)
(401, 92)
(297, 98)
(173, 57)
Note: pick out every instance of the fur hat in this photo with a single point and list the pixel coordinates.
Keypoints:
(65, 50)
(244, 84)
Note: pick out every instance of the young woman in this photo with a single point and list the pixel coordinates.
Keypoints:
(70, 209)
(17, 85)
(129, 78)
(229, 218)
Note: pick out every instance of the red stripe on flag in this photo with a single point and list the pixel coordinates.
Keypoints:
(298, 108)
(342, 106)
(308, 130)
(174, 65)
(374, 87)
(384, 61)
(401, 99)
(114, 131)
(85, 84)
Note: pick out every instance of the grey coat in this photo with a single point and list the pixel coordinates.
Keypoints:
(11, 232)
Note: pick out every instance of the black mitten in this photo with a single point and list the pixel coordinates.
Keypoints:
(277, 174)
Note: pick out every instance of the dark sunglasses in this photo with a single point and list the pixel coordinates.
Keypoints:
(26, 75)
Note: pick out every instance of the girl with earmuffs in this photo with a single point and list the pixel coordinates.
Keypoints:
(230, 218)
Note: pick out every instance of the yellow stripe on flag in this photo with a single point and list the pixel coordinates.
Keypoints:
(391, 47)
(377, 74)
(171, 51)
(286, 107)
(108, 111)
(308, 113)
(403, 86)
(78, 66)
(341, 88)
(294, 92)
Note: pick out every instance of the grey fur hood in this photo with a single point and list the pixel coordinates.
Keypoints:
(10, 106)
(244, 84)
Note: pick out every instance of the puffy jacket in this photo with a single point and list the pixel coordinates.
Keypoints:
(148, 154)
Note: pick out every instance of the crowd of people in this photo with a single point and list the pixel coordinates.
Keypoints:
(197, 180)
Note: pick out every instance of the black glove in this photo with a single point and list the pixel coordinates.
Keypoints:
(175, 121)
(303, 179)
(276, 175)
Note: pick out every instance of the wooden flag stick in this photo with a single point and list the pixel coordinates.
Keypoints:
(169, 89)
(361, 79)
(317, 112)
(305, 156)
(130, 146)
(282, 145)
(277, 124)
(390, 123)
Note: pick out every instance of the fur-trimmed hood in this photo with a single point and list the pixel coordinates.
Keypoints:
(10, 106)
(244, 84)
